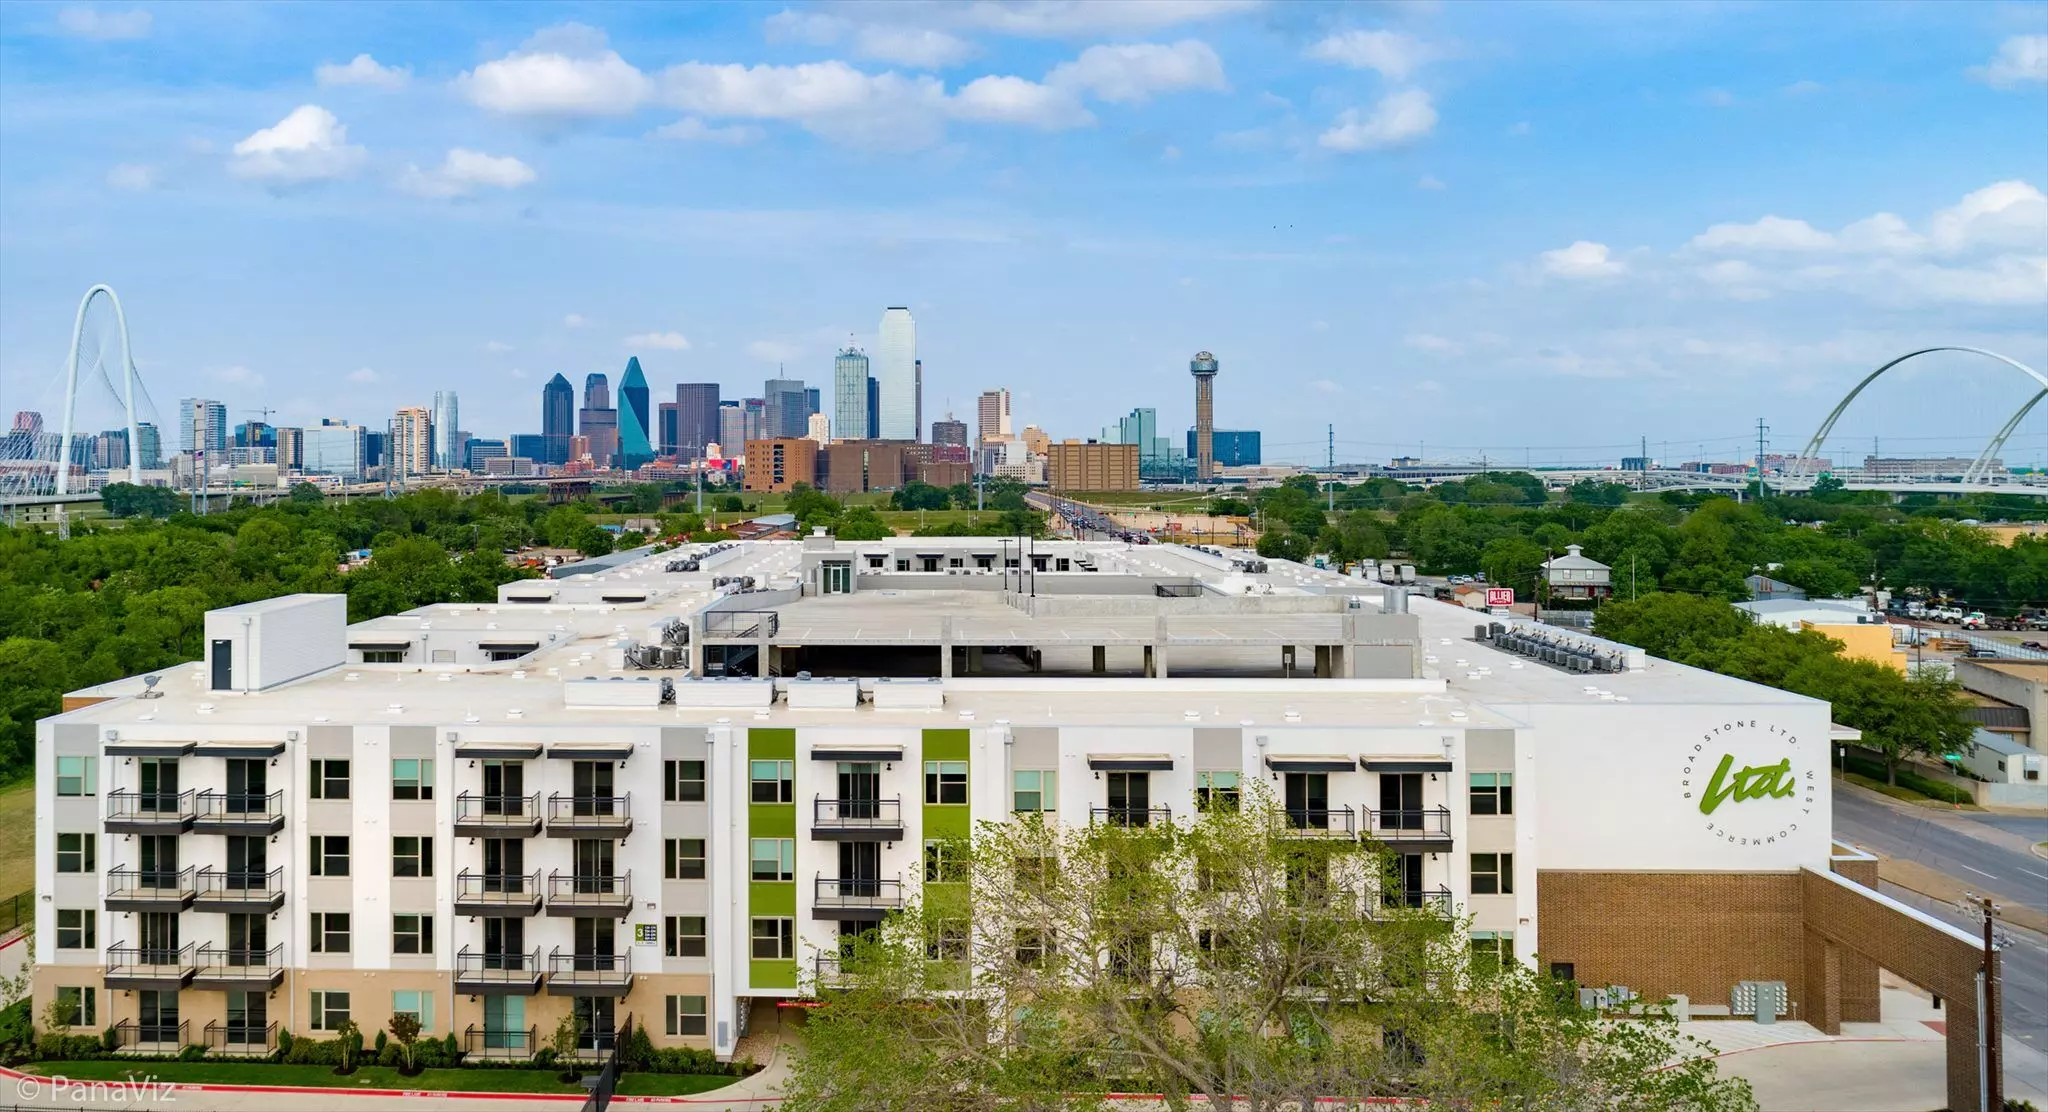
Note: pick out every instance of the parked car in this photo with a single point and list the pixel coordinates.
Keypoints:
(1973, 620)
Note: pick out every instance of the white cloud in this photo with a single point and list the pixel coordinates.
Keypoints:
(132, 175)
(690, 129)
(830, 99)
(562, 73)
(1325, 386)
(773, 351)
(90, 23)
(307, 145)
(1135, 71)
(236, 375)
(1428, 181)
(2020, 59)
(1397, 118)
(918, 47)
(497, 347)
(1015, 100)
(1772, 233)
(464, 172)
(665, 341)
(1392, 53)
(1434, 345)
(575, 320)
(1583, 259)
(2007, 214)
(362, 70)
(363, 376)
(1082, 18)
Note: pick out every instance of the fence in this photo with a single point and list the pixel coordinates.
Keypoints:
(607, 1080)
(18, 912)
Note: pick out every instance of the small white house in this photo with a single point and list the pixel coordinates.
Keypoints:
(1574, 576)
(2001, 760)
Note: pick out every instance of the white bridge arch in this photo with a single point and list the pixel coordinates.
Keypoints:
(1991, 447)
(128, 372)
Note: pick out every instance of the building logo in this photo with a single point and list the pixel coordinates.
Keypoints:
(1749, 783)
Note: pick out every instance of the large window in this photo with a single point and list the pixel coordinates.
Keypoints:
(419, 1005)
(330, 1010)
(945, 782)
(773, 781)
(687, 1016)
(1217, 791)
(330, 855)
(77, 928)
(946, 940)
(1492, 949)
(774, 938)
(1493, 793)
(78, 776)
(683, 936)
(412, 778)
(944, 863)
(1493, 874)
(412, 856)
(682, 859)
(412, 934)
(329, 780)
(78, 853)
(80, 1005)
(330, 932)
(773, 859)
(1034, 789)
(682, 781)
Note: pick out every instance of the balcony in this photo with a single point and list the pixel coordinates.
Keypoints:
(1131, 816)
(855, 897)
(1426, 828)
(239, 813)
(479, 973)
(240, 892)
(151, 967)
(497, 816)
(150, 889)
(223, 968)
(1434, 900)
(828, 970)
(589, 816)
(857, 820)
(585, 894)
(240, 1040)
(509, 1045)
(500, 895)
(1320, 822)
(589, 974)
(151, 1038)
(133, 812)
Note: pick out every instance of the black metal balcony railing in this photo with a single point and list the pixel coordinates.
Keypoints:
(238, 810)
(857, 814)
(493, 1042)
(828, 969)
(152, 957)
(240, 962)
(592, 892)
(240, 1038)
(589, 974)
(1131, 816)
(858, 892)
(489, 967)
(1436, 900)
(489, 813)
(150, 885)
(583, 814)
(503, 888)
(1332, 822)
(149, 811)
(219, 889)
(132, 1034)
(1412, 824)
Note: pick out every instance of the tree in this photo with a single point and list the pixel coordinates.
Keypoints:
(592, 540)
(1593, 493)
(1219, 959)
(563, 1041)
(862, 523)
(1513, 562)
(915, 495)
(1827, 488)
(1230, 507)
(405, 1029)
(1282, 543)
(351, 1038)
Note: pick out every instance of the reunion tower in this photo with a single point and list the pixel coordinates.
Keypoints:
(1203, 367)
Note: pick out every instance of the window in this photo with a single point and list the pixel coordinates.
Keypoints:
(77, 929)
(773, 781)
(1217, 791)
(1493, 793)
(687, 1016)
(383, 656)
(1492, 949)
(774, 938)
(1033, 944)
(78, 776)
(682, 858)
(683, 936)
(419, 1005)
(945, 781)
(329, 780)
(330, 855)
(412, 856)
(412, 934)
(944, 863)
(1034, 874)
(1493, 874)
(1034, 790)
(80, 1004)
(946, 940)
(78, 853)
(773, 859)
(330, 932)
(682, 781)
(330, 1010)
(412, 778)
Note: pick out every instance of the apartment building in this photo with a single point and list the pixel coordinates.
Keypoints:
(670, 788)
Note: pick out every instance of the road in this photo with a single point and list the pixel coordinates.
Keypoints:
(1915, 834)
(2025, 971)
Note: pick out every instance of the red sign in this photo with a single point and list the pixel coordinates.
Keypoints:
(1502, 597)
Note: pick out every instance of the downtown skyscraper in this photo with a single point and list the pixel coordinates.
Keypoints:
(896, 372)
(557, 418)
(850, 416)
(446, 418)
(634, 445)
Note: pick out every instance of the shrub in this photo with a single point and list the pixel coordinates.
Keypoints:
(192, 1053)
(544, 1058)
(638, 1053)
(284, 1044)
(380, 1044)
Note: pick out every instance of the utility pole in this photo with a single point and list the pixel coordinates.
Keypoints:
(1761, 429)
(1990, 1073)
(1330, 464)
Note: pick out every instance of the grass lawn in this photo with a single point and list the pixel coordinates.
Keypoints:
(367, 1077)
(17, 837)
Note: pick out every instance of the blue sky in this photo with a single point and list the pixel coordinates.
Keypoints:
(1541, 229)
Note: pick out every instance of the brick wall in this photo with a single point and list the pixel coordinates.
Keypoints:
(1665, 934)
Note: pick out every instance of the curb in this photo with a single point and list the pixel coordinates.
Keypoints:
(1821, 1042)
(17, 1077)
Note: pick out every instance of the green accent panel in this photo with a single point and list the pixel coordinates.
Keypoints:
(939, 745)
(772, 820)
(944, 822)
(778, 744)
(947, 900)
(771, 898)
(767, 973)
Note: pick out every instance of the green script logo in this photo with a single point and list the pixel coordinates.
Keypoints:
(1753, 782)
